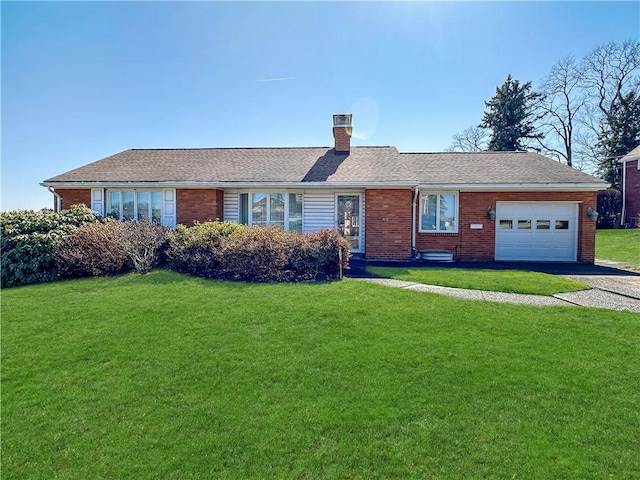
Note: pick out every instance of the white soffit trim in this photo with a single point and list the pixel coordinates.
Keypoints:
(520, 187)
(463, 187)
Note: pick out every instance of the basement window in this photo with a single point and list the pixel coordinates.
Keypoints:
(439, 212)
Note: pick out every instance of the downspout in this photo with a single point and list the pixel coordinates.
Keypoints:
(624, 186)
(58, 198)
(413, 223)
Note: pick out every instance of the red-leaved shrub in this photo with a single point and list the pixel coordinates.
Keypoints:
(109, 247)
(91, 250)
(255, 254)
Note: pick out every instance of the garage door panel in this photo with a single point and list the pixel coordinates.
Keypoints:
(537, 231)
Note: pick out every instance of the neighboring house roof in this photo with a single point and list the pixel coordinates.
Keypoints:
(323, 167)
(632, 155)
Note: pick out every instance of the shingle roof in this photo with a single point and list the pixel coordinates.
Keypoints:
(375, 165)
(633, 154)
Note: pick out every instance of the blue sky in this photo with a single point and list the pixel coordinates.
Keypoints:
(84, 80)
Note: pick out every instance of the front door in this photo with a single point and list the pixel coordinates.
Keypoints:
(348, 219)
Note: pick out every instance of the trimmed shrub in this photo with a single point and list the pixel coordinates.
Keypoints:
(91, 250)
(609, 208)
(194, 250)
(255, 254)
(258, 254)
(110, 247)
(28, 238)
(317, 255)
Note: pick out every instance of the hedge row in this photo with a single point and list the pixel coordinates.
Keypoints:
(43, 246)
(227, 251)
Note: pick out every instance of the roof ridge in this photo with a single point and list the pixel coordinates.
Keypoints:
(484, 152)
(252, 148)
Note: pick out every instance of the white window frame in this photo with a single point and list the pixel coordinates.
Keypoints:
(268, 192)
(163, 193)
(439, 193)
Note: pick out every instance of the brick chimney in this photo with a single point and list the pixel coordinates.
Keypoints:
(342, 132)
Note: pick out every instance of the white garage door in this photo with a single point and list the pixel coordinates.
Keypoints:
(538, 231)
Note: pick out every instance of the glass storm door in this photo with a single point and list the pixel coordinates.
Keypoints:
(348, 220)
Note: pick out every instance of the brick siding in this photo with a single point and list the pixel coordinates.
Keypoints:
(195, 204)
(632, 192)
(388, 224)
(72, 196)
(470, 244)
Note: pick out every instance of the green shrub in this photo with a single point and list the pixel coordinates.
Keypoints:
(91, 250)
(28, 238)
(194, 250)
(609, 208)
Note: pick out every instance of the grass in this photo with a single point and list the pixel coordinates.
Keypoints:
(622, 245)
(510, 281)
(168, 376)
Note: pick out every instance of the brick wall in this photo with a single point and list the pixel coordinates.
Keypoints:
(195, 204)
(342, 137)
(470, 244)
(388, 224)
(632, 192)
(72, 196)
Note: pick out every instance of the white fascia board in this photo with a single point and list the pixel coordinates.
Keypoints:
(519, 187)
(463, 187)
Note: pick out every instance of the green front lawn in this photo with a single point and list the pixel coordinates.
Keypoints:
(173, 377)
(510, 281)
(622, 245)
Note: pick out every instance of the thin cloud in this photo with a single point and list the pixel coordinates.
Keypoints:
(279, 79)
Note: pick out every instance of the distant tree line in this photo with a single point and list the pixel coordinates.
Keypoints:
(585, 113)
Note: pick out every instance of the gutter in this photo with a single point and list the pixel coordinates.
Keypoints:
(462, 187)
(58, 198)
(511, 187)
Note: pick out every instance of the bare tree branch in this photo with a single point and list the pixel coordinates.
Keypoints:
(562, 101)
(471, 139)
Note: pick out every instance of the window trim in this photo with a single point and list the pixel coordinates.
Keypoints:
(424, 193)
(268, 192)
(164, 216)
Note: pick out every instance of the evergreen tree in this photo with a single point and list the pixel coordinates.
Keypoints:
(621, 135)
(511, 116)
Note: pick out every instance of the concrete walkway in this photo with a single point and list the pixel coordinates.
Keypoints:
(614, 287)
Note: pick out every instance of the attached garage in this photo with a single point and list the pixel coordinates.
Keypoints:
(537, 231)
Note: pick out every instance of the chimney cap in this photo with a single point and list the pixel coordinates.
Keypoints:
(342, 120)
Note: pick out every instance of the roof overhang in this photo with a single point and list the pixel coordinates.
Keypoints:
(463, 187)
(513, 187)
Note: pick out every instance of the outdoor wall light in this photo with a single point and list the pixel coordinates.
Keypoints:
(592, 213)
(491, 213)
